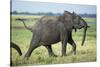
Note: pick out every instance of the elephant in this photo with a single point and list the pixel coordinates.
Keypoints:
(52, 29)
(15, 46)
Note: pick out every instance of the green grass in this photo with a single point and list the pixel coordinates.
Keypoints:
(22, 37)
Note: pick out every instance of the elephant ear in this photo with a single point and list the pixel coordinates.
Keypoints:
(74, 15)
(67, 14)
(65, 17)
(68, 19)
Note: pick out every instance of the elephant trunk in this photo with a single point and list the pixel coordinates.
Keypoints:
(84, 35)
(84, 32)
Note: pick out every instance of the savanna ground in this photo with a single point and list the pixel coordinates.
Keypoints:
(22, 38)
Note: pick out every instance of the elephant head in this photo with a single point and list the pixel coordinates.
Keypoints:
(78, 23)
(74, 21)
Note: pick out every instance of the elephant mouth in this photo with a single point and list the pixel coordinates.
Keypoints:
(81, 27)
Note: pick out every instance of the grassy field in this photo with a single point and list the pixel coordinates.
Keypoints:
(22, 37)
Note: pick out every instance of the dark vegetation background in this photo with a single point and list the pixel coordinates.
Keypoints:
(51, 14)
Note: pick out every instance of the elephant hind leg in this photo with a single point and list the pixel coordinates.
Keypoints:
(33, 45)
(31, 48)
(50, 51)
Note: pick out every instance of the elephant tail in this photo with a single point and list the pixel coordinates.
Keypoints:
(23, 20)
(13, 45)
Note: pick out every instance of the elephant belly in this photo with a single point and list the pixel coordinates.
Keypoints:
(50, 38)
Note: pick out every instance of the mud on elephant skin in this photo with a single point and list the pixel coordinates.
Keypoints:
(52, 29)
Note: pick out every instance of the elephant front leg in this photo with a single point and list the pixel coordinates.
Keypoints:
(64, 44)
(71, 41)
(64, 50)
(64, 33)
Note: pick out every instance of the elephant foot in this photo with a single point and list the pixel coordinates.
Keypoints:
(53, 55)
(74, 52)
(64, 55)
(26, 58)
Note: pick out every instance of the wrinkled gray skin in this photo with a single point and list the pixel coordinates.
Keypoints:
(52, 29)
